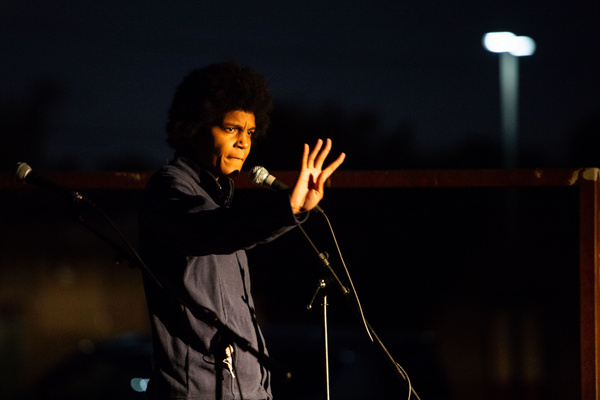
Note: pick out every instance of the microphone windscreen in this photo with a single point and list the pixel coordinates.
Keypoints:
(22, 171)
(258, 175)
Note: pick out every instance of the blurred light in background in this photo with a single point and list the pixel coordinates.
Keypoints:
(508, 42)
(510, 46)
(139, 384)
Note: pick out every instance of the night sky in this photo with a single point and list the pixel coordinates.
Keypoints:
(84, 84)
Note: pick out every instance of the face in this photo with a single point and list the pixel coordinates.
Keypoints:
(229, 144)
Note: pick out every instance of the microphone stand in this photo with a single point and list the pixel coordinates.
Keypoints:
(321, 288)
(323, 257)
(226, 334)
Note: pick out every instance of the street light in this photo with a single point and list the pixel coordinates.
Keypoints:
(510, 47)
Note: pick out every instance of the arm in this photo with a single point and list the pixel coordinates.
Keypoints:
(184, 217)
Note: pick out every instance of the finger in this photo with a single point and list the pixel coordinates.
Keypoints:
(323, 155)
(337, 162)
(326, 173)
(305, 156)
(313, 153)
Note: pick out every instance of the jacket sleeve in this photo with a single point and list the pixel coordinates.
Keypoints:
(185, 217)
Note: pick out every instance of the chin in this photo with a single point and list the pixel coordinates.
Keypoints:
(232, 170)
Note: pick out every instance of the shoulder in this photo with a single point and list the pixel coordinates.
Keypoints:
(180, 175)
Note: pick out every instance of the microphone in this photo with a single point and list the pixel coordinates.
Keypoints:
(261, 177)
(26, 175)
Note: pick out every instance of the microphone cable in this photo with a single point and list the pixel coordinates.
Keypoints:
(370, 332)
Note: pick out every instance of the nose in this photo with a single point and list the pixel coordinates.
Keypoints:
(244, 139)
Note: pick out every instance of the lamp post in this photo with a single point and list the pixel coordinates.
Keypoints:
(510, 47)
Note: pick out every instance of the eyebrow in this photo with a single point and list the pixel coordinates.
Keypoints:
(236, 125)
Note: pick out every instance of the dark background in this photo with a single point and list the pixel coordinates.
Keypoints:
(86, 85)
(474, 290)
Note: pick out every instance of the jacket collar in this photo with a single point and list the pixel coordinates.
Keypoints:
(221, 190)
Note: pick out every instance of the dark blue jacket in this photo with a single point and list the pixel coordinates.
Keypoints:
(193, 239)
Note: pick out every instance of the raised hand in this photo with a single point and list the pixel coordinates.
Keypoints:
(309, 188)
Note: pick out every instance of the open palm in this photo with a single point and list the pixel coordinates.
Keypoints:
(309, 187)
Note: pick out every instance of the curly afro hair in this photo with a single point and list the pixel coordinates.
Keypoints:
(204, 97)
